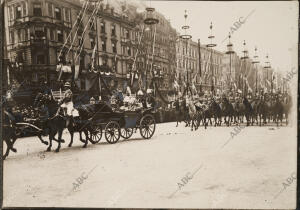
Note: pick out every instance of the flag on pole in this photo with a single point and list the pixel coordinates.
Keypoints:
(93, 57)
(234, 86)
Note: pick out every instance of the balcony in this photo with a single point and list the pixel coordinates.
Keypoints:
(39, 41)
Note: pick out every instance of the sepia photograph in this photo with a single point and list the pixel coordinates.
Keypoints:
(152, 104)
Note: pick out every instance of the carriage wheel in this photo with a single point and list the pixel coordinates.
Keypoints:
(112, 132)
(126, 133)
(95, 134)
(147, 126)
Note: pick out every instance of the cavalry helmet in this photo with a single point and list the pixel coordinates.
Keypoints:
(67, 84)
(149, 91)
(140, 93)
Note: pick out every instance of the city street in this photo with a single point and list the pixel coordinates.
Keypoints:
(176, 168)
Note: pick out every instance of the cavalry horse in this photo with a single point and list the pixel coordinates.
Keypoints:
(248, 110)
(193, 114)
(287, 105)
(262, 110)
(278, 110)
(227, 111)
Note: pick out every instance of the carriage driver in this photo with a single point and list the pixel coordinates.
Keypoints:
(67, 104)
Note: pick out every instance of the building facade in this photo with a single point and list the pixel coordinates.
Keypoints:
(206, 71)
(39, 31)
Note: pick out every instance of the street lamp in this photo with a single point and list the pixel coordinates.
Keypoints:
(229, 52)
(255, 62)
(186, 37)
(244, 58)
(267, 67)
(211, 46)
(149, 22)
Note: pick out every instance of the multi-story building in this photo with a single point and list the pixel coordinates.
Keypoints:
(157, 40)
(39, 31)
(189, 70)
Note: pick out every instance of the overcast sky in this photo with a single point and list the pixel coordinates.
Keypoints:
(271, 26)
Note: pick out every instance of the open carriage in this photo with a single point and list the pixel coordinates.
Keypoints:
(115, 124)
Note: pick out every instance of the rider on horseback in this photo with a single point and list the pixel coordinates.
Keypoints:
(67, 104)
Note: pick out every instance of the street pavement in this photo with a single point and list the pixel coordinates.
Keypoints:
(214, 168)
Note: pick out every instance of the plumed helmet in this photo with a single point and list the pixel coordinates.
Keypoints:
(140, 93)
(67, 84)
(149, 90)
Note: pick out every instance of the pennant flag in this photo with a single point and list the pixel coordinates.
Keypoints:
(77, 72)
(93, 57)
(234, 85)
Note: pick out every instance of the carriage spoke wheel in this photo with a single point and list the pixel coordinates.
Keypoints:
(147, 126)
(95, 134)
(112, 132)
(126, 133)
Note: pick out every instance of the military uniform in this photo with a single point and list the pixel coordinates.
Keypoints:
(67, 103)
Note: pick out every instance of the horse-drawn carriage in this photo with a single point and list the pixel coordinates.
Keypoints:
(116, 123)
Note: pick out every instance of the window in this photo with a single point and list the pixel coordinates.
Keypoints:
(51, 34)
(50, 13)
(25, 34)
(40, 59)
(39, 32)
(11, 13)
(102, 27)
(24, 9)
(67, 15)
(128, 51)
(113, 30)
(114, 48)
(103, 45)
(19, 35)
(60, 36)
(18, 12)
(80, 41)
(92, 40)
(57, 13)
(37, 9)
(127, 34)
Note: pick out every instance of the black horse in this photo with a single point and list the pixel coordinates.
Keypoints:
(227, 111)
(278, 110)
(9, 132)
(57, 122)
(248, 111)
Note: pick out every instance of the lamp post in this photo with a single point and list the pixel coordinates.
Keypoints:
(211, 46)
(267, 67)
(150, 21)
(186, 37)
(244, 58)
(230, 52)
(255, 62)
